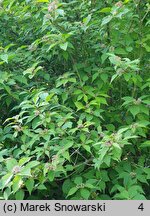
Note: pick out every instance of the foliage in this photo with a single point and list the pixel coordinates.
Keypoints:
(74, 99)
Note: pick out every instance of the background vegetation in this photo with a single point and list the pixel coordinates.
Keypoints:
(74, 99)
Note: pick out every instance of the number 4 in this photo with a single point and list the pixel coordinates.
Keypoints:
(141, 207)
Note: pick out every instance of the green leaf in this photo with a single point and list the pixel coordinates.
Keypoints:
(107, 160)
(85, 193)
(51, 175)
(87, 148)
(139, 197)
(88, 185)
(25, 171)
(87, 19)
(145, 144)
(10, 164)
(147, 171)
(113, 77)
(66, 155)
(95, 75)
(82, 137)
(19, 195)
(123, 195)
(17, 183)
(134, 110)
(104, 77)
(106, 20)
(23, 160)
(67, 125)
(42, 1)
(142, 178)
(79, 105)
(105, 10)
(68, 144)
(4, 57)
(66, 186)
(29, 185)
(78, 180)
(5, 180)
(104, 56)
(72, 191)
(42, 187)
(64, 46)
(103, 152)
(32, 164)
(7, 193)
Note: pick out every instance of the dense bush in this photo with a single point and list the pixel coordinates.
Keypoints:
(74, 99)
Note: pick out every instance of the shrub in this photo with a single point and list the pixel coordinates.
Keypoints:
(74, 100)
